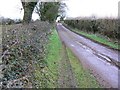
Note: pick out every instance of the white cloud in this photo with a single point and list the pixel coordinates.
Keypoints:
(100, 8)
(12, 9)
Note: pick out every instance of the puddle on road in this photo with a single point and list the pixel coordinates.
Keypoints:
(72, 45)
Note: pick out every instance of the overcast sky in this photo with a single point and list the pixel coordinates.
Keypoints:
(12, 9)
(100, 8)
(76, 8)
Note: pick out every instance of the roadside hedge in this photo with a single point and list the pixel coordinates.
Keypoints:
(106, 27)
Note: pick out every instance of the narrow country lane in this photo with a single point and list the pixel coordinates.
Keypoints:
(101, 61)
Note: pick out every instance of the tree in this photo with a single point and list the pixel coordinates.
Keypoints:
(28, 10)
(48, 11)
(62, 10)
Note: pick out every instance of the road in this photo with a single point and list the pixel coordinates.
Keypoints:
(100, 60)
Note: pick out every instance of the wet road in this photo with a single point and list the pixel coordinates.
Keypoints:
(100, 60)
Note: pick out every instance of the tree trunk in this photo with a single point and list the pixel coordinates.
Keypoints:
(28, 10)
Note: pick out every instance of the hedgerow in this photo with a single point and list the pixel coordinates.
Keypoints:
(107, 27)
(23, 48)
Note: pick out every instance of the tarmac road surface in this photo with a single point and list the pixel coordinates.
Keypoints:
(100, 60)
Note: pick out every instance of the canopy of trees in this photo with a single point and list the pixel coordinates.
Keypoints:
(48, 11)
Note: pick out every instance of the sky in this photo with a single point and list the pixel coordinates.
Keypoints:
(76, 8)
(12, 9)
(99, 8)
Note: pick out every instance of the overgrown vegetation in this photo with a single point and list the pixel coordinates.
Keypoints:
(106, 27)
(98, 38)
(45, 10)
(104, 31)
(23, 48)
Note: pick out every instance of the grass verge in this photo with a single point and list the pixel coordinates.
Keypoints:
(53, 57)
(83, 77)
(50, 77)
(99, 39)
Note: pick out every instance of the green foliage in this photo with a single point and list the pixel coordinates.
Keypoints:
(48, 11)
(50, 75)
(106, 27)
(53, 58)
(99, 38)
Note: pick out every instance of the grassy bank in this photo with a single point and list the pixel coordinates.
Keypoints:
(53, 58)
(99, 39)
(50, 77)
